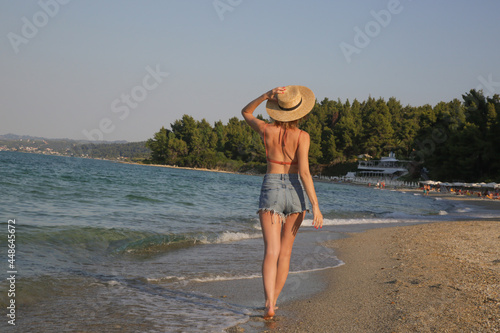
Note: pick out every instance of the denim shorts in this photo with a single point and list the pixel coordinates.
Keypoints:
(282, 194)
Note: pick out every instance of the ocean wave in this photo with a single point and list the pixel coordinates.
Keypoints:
(216, 278)
(464, 210)
(225, 278)
(163, 242)
(308, 222)
(115, 241)
(229, 277)
(227, 237)
(155, 243)
(340, 263)
(362, 217)
(168, 279)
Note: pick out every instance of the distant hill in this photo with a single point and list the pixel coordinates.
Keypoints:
(11, 136)
(121, 150)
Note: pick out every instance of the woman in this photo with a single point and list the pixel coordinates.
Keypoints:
(282, 204)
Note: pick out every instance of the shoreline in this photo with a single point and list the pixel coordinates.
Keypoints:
(181, 168)
(189, 168)
(427, 277)
(484, 203)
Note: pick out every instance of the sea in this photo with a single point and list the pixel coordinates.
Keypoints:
(102, 246)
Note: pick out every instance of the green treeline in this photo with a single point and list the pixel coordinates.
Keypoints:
(453, 141)
(135, 151)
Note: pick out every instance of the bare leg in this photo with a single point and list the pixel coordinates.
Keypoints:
(288, 233)
(271, 232)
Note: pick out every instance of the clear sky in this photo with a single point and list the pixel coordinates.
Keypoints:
(121, 69)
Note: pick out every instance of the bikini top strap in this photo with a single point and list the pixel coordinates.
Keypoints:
(265, 144)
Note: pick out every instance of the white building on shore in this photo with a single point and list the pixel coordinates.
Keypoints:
(387, 167)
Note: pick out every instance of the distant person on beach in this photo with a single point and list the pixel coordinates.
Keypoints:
(427, 188)
(283, 203)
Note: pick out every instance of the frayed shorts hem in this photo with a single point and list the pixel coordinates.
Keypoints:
(282, 217)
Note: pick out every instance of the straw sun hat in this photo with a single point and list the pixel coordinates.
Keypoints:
(293, 104)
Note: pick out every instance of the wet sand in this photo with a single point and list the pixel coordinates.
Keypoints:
(433, 277)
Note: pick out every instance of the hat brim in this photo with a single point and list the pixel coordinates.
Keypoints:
(308, 100)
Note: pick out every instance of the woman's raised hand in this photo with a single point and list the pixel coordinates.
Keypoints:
(271, 94)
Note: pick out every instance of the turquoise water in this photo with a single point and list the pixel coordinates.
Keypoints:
(104, 246)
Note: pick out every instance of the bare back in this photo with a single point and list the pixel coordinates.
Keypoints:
(281, 149)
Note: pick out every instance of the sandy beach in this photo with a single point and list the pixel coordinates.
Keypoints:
(433, 277)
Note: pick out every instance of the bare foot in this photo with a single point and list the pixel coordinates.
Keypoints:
(269, 314)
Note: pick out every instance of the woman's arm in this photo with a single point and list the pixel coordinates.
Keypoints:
(305, 176)
(247, 112)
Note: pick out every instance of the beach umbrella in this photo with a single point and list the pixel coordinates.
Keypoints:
(492, 185)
